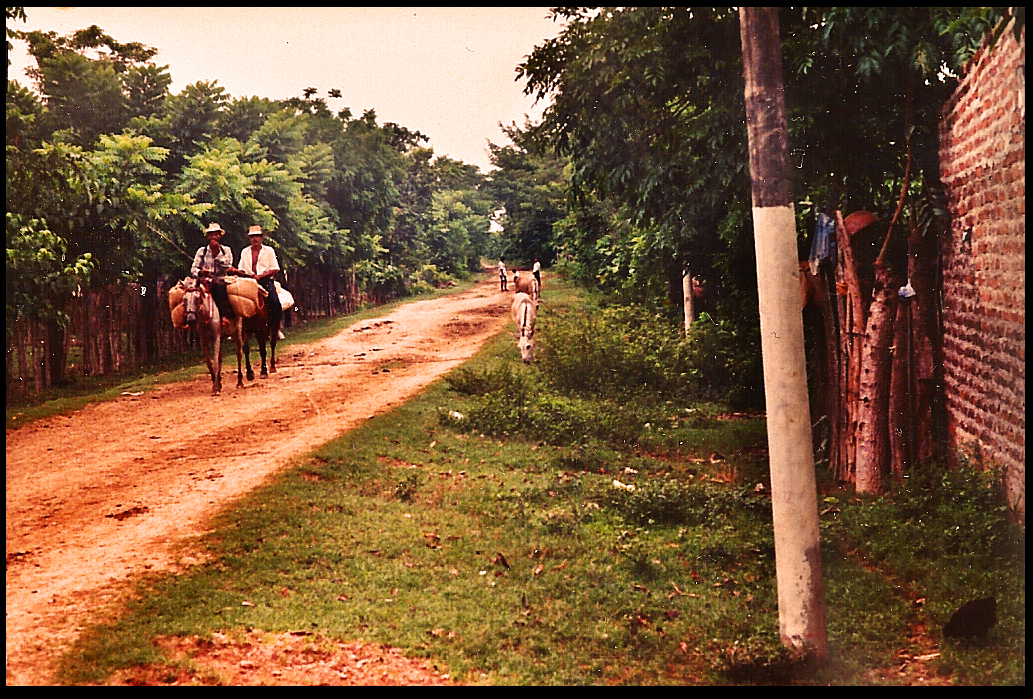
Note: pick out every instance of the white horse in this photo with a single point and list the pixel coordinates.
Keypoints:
(524, 313)
(527, 285)
(202, 314)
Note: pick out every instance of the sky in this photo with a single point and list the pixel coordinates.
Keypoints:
(449, 73)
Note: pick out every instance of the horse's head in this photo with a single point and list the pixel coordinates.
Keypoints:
(192, 300)
(526, 345)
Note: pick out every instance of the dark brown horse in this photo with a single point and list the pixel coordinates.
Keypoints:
(264, 329)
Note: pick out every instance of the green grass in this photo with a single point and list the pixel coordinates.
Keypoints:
(393, 534)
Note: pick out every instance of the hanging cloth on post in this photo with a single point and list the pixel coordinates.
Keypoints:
(823, 245)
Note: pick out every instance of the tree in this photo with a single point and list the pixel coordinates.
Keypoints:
(93, 96)
(529, 183)
(40, 274)
(645, 105)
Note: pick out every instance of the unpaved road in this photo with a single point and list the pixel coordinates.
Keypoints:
(166, 460)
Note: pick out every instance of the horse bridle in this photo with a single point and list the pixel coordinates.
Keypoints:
(200, 288)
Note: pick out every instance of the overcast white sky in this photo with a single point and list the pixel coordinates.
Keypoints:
(448, 73)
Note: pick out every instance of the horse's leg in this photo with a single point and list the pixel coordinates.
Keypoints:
(247, 357)
(217, 354)
(262, 337)
(206, 347)
(274, 333)
(238, 335)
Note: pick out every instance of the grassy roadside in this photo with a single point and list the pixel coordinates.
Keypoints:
(638, 554)
(84, 391)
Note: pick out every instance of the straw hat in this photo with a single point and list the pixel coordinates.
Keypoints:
(255, 230)
(214, 228)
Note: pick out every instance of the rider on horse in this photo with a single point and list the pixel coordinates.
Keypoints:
(213, 263)
(259, 262)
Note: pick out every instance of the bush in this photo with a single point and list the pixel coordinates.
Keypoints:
(627, 351)
(937, 513)
(495, 379)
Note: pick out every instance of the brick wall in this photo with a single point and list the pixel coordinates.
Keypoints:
(983, 165)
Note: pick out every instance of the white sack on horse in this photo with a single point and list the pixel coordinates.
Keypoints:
(286, 300)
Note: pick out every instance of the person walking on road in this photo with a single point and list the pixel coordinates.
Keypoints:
(502, 274)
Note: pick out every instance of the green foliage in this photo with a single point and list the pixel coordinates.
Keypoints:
(629, 351)
(529, 184)
(938, 513)
(670, 501)
(647, 104)
(125, 171)
(39, 271)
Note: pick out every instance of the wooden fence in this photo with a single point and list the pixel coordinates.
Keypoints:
(120, 328)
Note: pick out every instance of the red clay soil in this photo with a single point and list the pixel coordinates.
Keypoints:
(102, 495)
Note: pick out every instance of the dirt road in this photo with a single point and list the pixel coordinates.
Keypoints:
(99, 496)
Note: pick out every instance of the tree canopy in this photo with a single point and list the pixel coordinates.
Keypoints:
(112, 178)
(647, 104)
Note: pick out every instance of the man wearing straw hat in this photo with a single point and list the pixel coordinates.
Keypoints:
(214, 262)
(259, 262)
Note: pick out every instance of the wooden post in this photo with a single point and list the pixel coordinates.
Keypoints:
(687, 300)
(801, 597)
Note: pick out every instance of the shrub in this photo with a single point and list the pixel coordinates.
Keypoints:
(625, 350)
(937, 513)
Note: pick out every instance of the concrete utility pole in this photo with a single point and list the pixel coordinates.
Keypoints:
(801, 595)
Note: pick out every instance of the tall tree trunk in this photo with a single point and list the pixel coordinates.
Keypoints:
(801, 596)
(21, 340)
(923, 268)
(873, 406)
(832, 357)
(37, 358)
(57, 358)
(873, 403)
(852, 326)
(901, 426)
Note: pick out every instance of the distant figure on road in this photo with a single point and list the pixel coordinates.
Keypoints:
(502, 274)
(537, 271)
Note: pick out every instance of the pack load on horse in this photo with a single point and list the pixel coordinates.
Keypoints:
(245, 298)
(195, 308)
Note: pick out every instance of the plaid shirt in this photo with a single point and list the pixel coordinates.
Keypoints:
(216, 265)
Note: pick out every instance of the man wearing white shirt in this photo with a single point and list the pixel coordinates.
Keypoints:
(260, 263)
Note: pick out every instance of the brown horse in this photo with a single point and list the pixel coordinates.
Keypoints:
(264, 329)
(202, 314)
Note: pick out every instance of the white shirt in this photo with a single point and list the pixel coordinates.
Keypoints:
(266, 260)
